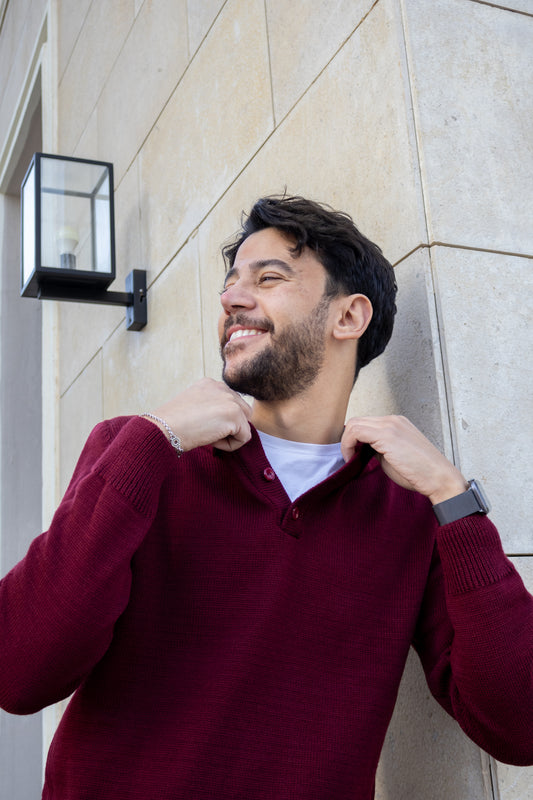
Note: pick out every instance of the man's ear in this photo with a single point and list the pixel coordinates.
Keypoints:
(354, 315)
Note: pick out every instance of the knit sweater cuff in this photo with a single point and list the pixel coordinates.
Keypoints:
(137, 461)
(471, 553)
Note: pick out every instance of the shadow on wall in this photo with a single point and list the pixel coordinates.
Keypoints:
(426, 756)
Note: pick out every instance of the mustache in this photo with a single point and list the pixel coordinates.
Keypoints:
(248, 322)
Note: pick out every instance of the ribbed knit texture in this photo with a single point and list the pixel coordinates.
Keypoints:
(473, 550)
(227, 644)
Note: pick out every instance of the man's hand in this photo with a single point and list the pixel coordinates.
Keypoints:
(208, 412)
(406, 456)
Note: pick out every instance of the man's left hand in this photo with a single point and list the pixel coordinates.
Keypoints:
(406, 456)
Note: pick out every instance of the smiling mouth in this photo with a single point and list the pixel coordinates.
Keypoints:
(243, 332)
(238, 328)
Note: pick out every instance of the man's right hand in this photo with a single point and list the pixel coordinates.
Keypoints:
(208, 412)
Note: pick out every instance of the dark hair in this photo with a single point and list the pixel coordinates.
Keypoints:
(353, 263)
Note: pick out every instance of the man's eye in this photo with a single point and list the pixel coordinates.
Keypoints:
(265, 278)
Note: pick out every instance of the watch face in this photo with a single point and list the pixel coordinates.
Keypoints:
(480, 495)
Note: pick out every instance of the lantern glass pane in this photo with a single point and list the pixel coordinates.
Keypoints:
(75, 215)
(103, 227)
(28, 226)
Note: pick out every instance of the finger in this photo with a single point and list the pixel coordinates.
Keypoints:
(223, 391)
(246, 407)
(348, 445)
(350, 439)
(378, 432)
(236, 439)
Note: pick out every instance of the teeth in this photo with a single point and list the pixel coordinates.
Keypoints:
(244, 332)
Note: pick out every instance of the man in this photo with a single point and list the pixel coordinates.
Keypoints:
(234, 622)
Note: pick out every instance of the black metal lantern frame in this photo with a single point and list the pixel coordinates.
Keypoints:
(68, 236)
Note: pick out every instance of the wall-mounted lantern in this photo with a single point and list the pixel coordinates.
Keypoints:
(68, 236)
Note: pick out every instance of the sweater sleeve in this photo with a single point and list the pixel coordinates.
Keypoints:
(58, 606)
(475, 639)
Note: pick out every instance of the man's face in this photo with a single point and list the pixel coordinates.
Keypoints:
(274, 320)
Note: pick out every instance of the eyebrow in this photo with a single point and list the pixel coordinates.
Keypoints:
(256, 266)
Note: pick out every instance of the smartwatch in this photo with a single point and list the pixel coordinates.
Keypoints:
(473, 501)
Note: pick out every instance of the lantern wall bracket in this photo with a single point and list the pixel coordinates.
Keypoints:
(68, 236)
(134, 298)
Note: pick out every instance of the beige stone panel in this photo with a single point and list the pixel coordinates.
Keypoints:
(471, 67)
(128, 227)
(15, 16)
(426, 756)
(516, 783)
(85, 327)
(100, 40)
(13, 31)
(526, 6)
(208, 131)
(146, 72)
(18, 40)
(143, 370)
(80, 410)
(201, 17)
(522, 6)
(87, 146)
(70, 19)
(349, 141)
(485, 310)
(211, 281)
(302, 38)
(407, 378)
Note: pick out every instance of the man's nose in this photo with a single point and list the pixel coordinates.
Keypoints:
(238, 295)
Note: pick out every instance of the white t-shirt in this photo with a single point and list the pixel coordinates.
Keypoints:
(300, 465)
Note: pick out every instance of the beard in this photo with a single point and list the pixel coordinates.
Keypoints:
(290, 363)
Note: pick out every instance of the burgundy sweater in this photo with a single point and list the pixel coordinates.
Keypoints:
(224, 643)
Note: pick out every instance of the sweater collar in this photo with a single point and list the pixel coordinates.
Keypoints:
(252, 457)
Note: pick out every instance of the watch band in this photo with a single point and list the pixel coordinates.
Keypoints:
(473, 501)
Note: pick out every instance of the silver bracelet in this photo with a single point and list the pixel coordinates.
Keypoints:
(175, 441)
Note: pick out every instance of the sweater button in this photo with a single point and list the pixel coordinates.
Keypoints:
(269, 474)
(295, 512)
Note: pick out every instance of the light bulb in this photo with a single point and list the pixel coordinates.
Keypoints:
(67, 241)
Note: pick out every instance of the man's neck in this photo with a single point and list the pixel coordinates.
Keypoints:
(301, 419)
